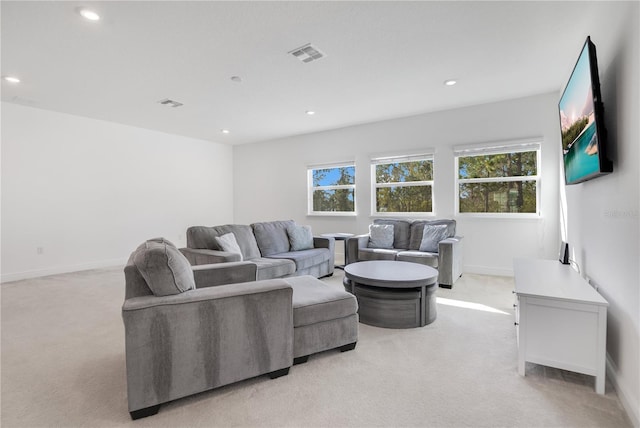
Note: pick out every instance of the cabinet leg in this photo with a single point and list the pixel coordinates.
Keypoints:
(600, 384)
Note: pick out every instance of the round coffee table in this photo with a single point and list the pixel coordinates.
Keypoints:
(393, 294)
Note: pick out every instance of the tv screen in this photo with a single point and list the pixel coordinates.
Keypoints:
(581, 120)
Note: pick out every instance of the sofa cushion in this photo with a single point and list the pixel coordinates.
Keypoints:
(164, 268)
(431, 236)
(380, 236)
(272, 237)
(306, 258)
(228, 243)
(401, 230)
(268, 268)
(315, 302)
(417, 231)
(202, 237)
(300, 237)
(429, 259)
(377, 254)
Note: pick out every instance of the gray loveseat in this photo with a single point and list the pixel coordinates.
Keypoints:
(266, 244)
(444, 252)
(190, 329)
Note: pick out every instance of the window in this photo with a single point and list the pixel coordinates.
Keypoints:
(402, 185)
(332, 189)
(498, 179)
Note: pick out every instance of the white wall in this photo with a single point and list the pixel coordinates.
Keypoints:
(270, 178)
(603, 214)
(88, 192)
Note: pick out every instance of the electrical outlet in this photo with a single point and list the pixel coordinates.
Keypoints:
(39, 251)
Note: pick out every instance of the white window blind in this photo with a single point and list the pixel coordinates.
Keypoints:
(516, 146)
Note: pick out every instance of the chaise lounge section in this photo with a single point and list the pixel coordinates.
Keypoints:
(189, 329)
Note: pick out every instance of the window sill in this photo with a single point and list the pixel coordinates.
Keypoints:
(332, 214)
(402, 215)
(499, 216)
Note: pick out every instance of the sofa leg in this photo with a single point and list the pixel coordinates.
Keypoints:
(279, 373)
(349, 347)
(300, 360)
(143, 413)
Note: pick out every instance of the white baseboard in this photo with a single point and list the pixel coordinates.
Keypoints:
(623, 395)
(16, 276)
(485, 270)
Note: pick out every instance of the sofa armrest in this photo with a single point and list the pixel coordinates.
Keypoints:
(324, 242)
(204, 294)
(449, 260)
(224, 273)
(353, 245)
(205, 338)
(205, 257)
(330, 244)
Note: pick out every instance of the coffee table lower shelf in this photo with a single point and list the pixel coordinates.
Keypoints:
(393, 308)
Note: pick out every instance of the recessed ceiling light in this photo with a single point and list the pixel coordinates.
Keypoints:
(450, 82)
(89, 14)
(224, 131)
(310, 112)
(12, 79)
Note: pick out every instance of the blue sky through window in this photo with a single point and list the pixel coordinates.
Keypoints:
(331, 176)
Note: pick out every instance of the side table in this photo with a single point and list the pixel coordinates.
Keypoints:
(340, 237)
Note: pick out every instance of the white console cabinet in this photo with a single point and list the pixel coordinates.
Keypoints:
(561, 320)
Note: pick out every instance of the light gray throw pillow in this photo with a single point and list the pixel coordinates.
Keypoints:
(229, 244)
(381, 236)
(164, 268)
(431, 237)
(300, 237)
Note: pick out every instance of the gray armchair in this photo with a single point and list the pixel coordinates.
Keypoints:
(187, 332)
(406, 243)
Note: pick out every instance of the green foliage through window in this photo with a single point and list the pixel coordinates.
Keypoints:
(333, 200)
(501, 165)
(403, 186)
(332, 189)
(404, 199)
(498, 183)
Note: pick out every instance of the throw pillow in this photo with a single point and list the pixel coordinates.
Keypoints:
(228, 243)
(300, 237)
(381, 236)
(164, 268)
(431, 237)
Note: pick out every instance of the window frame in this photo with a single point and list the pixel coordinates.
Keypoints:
(519, 146)
(311, 188)
(386, 160)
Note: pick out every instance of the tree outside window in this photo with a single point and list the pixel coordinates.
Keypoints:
(504, 182)
(332, 189)
(402, 185)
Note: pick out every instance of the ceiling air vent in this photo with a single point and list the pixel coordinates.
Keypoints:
(307, 53)
(170, 103)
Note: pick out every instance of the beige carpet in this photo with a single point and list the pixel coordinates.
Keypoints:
(63, 365)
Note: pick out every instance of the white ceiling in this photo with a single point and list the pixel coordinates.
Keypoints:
(383, 60)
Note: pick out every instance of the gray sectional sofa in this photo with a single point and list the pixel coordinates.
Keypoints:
(437, 246)
(267, 245)
(189, 329)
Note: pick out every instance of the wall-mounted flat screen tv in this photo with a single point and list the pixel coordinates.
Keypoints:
(582, 122)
